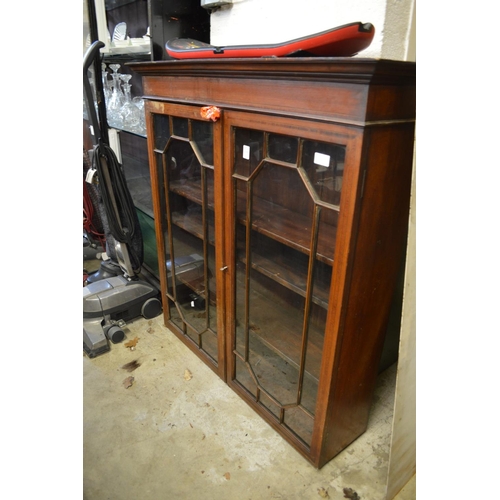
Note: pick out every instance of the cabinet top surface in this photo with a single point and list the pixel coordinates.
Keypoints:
(323, 68)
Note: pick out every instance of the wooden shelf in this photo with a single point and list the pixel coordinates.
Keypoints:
(284, 344)
(278, 329)
(191, 189)
(294, 279)
(193, 223)
(286, 226)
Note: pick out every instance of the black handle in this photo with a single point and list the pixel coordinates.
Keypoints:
(88, 59)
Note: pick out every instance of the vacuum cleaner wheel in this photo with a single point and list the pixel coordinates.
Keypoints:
(115, 334)
(151, 308)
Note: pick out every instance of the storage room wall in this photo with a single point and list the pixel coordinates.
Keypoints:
(262, 21)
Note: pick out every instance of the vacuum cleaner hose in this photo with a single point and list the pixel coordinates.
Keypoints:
(117, 201)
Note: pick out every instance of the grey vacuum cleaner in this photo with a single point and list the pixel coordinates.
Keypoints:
(108, 304)
(115, 294)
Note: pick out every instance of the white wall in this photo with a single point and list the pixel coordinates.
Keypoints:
(402, 459)
(265, 21)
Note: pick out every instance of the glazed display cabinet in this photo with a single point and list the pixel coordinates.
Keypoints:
(281, 196)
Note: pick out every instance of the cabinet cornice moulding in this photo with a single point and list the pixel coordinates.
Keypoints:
(348, 69)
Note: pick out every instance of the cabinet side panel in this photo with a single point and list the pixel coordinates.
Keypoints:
(388, 102)
(376, 261)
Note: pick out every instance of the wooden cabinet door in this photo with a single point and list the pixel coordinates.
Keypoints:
(285, 184)
(186, 175)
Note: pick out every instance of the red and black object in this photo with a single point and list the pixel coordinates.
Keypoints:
(342, 41)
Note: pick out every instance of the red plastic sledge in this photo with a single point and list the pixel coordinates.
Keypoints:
(343, 41)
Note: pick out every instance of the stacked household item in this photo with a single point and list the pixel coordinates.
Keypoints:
(123, 111)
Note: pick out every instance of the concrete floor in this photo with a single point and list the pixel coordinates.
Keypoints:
(169, 436)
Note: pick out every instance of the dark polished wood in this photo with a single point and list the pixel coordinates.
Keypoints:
(364, 105)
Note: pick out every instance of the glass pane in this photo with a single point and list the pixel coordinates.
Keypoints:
(271, 405)
(248, 150)
(161, 127)
(158, 167)
(241, 345)
(282, 207)
(209, 197)
(241, 205)
(203, 139)
(300, 423)
(181, 127)
(272, 327)
(244, 375)
(190, 251)
(209, 237)
(324, 165)
(136, 169)
(149, 241)
(283, 148)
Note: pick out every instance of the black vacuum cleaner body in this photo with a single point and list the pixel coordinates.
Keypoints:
(115, 294)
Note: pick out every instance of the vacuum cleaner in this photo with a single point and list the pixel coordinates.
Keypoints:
(115, 294)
